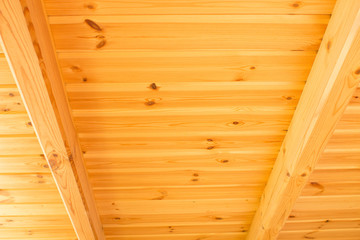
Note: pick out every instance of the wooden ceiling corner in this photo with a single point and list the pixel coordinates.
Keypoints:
(28, 46)
(332, 81)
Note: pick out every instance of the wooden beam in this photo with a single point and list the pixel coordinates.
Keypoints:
(26, 40)
(330, 85)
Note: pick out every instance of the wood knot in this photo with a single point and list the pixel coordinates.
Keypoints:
(224, 161)
(117, 218)
(84, 79)
(6, 110)
(218, 218)
(291, 216)
(210, 147)
(288, 98)
(54, 161)
(11, 94)
(328, 45)
(194, 179)
(93, 25)
(195, 174)
(209, 140)
(296, 4)
(235, 122)
(252, 68)
(327, 221)
(89, 6)
(357, 71)
(29, 124)
(304, 175)
(75, 69)
(101, 43)
(149, 103)
(153, 86)
(239, 79)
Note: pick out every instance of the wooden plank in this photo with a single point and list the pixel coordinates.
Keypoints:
(330, 86)
(212, 216)
(321, 224)
(59, 7)
(15, 222)
(340, 234)
(179, 160)
(177, 178)
(185, 66)
(180, 32)
(26, 181)
(175, 228)
(27, 145)
(179, 193)
(174, 207)
(27, 44)
(5, 73)
(15, 124)
(31, 209)
(10, 100)
(192, 236)
(23, 164)
(316, 188)
(36, 233)
(139, 96)
(30, 196)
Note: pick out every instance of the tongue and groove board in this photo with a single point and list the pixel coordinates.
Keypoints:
(30, 204)
(181, 106)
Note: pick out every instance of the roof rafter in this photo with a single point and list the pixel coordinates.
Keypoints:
(329, 88)
(27, 43)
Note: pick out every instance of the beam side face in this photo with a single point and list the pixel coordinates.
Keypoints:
(330, 86)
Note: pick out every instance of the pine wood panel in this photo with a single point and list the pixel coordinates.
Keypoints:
(293, 32)
(108, 7)
(181, 107)
(343, 234)
(185, 66)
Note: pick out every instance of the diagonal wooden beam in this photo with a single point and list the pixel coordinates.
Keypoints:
(329, 88)
(27, 43)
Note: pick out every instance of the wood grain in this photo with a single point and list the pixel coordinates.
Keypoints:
(27, 65)
(108, 7)
(330, 86)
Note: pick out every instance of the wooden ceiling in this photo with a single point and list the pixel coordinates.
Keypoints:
(164, 120)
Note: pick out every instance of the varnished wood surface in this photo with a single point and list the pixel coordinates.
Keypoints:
(182, 107)
(144, 7)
